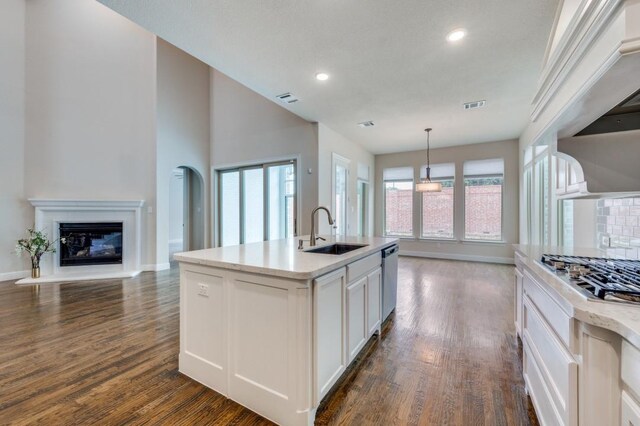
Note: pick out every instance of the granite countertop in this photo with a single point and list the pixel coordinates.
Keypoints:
(623, 319)
(281, 258)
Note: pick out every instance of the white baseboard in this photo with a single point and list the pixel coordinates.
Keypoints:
(453, 256)
(154, 267)
(10, 276)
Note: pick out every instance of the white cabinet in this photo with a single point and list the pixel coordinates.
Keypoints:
(630, 375)
(517, 309)
(550, 370)
(630, 414)
(374, 302)
(364, 302)
(329, 329)
(356, 317)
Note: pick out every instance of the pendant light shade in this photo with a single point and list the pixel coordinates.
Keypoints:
(426, 185)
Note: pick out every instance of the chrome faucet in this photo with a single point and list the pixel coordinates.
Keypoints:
(313, 238)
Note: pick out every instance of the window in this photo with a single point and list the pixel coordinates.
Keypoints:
(363, 207)
(340, 194)
(483, 185)
(398, 201)
(256, 203)
(363, 199)
(437, 207)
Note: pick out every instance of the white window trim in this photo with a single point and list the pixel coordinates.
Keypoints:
(384, 211)
(421, 236)
(464, 212)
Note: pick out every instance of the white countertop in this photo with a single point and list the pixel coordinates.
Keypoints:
(281, 258)
(623, 319)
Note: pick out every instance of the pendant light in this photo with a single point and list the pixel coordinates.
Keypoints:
(426, 185)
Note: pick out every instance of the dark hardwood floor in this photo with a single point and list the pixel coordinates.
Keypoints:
(106, 352)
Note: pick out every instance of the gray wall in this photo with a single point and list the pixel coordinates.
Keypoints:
(248, 128)
(492, 252)
(91, 99)
(15, 213)
(183, 135)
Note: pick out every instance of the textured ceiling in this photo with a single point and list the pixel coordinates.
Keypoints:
(388, 60)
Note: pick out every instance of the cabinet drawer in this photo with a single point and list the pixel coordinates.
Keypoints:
(553, 314)
(630, 414)
(538, 391)
(361, 267)
(630, 369)
(557, 367)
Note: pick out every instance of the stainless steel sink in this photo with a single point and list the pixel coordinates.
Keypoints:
(336, 249)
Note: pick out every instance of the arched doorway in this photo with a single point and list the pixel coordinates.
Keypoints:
(186, 210)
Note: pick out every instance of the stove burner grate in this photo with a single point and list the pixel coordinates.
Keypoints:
(609, 279)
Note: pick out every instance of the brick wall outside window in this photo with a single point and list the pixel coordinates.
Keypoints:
(399, 208)
(483, 212)
(437, 214)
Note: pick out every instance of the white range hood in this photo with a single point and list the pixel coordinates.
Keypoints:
(592, 64)
(605, 165)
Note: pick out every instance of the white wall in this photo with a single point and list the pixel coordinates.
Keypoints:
(183, 131)
(584, 223)
(330, 142)
(248, 128)
(493, 252)
(15, 213)
(90, 111)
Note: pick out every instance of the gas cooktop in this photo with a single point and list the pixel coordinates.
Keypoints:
(599, 278)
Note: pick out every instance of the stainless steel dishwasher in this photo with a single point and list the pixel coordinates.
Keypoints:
(389, 280)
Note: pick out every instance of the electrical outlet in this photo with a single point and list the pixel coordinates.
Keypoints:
(203, 290)
(606, 241)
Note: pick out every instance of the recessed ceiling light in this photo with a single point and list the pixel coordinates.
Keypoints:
(322, 76)
(457, 34)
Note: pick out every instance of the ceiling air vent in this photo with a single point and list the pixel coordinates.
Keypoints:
(366, 124)
(474, 104)
(287, 98)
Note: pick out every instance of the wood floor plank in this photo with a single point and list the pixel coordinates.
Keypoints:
(106, 352)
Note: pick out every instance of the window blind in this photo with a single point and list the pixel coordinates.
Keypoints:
(398, 173)
(442, 171)
(478, 168)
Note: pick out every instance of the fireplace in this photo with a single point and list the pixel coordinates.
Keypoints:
(84, 244)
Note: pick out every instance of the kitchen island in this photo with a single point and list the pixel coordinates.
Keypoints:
(274, 327)
(581, 356)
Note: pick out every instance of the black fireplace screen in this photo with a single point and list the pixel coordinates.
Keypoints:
(90, 243)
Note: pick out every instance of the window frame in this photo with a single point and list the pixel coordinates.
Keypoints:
(464, 205)
(384, 208)
(218, 203)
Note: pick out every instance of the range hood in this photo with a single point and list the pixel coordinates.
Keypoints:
(587, 106)
(623, 117)
(605, 155)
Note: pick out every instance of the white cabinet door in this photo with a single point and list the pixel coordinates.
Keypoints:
(517, 309)
(329, 328)
(374, 314)
(630, 415)
(203, 327)
(356, 317)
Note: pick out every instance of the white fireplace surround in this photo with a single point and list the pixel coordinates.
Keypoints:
(50, 213)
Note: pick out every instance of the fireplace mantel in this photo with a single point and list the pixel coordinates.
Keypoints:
(49, 213)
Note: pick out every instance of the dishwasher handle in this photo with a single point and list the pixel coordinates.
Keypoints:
(389, 251)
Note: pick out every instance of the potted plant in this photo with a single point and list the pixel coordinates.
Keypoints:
(36, 244)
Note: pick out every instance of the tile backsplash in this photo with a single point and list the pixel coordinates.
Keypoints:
(618, 222)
